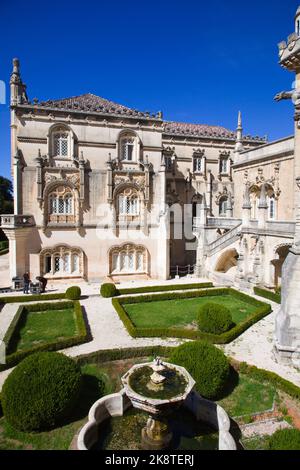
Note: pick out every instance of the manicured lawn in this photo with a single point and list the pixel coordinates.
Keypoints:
(182, 312)
(248, 397)
(39, 327)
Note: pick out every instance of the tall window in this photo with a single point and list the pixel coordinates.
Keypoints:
(298, 28)
(222, 206)
(127, 149)
(224, 165)
(198, 165)
(271, 208)
(61, 144)
(168, 160)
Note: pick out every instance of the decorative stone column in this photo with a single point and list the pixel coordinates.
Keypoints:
(18, 228)
(200, 269)
(246, 208)
(287, 325)
(262, 208)
(163, 240)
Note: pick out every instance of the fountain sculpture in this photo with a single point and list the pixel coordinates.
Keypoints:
(157, 388)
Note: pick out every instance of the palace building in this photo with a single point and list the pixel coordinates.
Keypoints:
(106, 191)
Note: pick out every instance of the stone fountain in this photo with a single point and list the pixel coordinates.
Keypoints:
(157, 388)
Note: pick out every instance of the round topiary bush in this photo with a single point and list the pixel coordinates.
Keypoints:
(108, 290)
(285, 439)
(214, 318)
(73, 293)
(208, 366)
(41, 391)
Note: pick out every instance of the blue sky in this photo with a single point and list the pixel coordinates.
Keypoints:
(196, 61)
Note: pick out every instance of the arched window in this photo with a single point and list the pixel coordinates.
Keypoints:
(61, 142)
(62, 261)
(129, 147)
(61, 205)
(129, 203)
(128, 259)
(223, 206)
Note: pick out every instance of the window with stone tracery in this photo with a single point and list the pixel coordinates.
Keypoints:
(62, 261)
(61, 205)
(129, 203)
(128, 259)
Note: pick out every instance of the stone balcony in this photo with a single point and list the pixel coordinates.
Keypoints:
(11, 221)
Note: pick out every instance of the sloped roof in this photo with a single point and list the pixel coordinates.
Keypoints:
(95, 104)
(203, 130)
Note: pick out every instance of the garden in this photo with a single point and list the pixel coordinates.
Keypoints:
(46, 410)
(216, 315)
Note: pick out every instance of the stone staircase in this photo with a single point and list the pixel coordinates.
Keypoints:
(224, 240)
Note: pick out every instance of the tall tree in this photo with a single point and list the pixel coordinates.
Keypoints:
(6, 196)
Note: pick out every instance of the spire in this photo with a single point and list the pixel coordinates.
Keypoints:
(17, 87)
(239, 135)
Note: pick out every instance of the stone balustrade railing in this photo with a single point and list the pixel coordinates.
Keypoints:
(224, 240)
(16, 221)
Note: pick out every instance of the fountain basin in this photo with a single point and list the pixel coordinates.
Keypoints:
(172, 392)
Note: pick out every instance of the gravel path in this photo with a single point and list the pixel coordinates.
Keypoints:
(254, 346)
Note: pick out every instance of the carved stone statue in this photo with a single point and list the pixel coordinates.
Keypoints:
(293, 95)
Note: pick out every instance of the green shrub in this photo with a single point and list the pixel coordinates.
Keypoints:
(41, 391)
(207, 365)
(285, 439)
(73, 293)
(214, 318)
(108, 290)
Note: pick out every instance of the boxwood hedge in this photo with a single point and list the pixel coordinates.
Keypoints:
(260, 312)
(82, 335)
(267, 294)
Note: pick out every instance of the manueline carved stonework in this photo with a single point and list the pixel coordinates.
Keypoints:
(137, 180)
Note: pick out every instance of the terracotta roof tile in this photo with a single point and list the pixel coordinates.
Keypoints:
(95, 104)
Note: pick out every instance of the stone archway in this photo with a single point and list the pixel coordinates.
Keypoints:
(227, 260)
